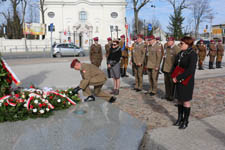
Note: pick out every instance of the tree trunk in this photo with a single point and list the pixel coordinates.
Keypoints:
(136, 21)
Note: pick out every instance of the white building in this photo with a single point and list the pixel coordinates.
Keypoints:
(80, 20)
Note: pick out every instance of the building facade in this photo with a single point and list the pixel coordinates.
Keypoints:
(78, 21)
(218, 32)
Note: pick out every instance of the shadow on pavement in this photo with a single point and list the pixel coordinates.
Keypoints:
(36, 79)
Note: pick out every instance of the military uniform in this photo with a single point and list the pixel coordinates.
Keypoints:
(138, 55)
(124, 58)
(91, 75)
(153, 65)
(220, 53)
(107, 49)
(201, 55)
(168, 61)
(96, 55)
(212, 55)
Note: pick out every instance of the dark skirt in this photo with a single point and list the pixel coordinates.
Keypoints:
(115, 71)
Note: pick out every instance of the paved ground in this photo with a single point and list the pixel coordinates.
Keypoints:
(208, 100)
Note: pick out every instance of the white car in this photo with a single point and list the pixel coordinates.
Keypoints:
(67, 49)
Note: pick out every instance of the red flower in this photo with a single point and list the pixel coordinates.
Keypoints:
(11, 100)
(6, 104)
(51, 97)
(21, 100)
(17, 95)
(40, 105)
(31, 87)
(62, 92)
(64, 102)
(57, 91)
(32, 98)
(31, 106)
(44, 104)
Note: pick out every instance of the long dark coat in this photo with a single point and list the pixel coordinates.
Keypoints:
(186, 59)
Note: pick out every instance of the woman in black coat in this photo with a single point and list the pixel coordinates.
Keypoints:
(113, 64)
(187, 60)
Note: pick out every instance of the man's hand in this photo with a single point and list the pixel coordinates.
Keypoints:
(109, 66)
(76, 90)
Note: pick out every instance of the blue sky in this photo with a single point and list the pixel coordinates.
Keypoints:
(163, 9)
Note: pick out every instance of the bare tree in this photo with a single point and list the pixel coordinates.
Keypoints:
(137, 5)
(43, 10)
(201, 12)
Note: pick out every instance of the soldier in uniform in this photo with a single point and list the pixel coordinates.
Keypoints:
(125, 56)
(153, 64)
(96, 53)
(131, 49)
(137, 59)
(107, 50)
(108, 46)
(171, 51)
(201, 54)
(145, 70)
(212, 54)
(91, 75)
(220, 53)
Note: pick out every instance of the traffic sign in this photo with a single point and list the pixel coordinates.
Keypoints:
(51, 27)
(149, 27)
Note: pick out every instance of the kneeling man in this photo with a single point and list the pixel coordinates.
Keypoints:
(91, 75)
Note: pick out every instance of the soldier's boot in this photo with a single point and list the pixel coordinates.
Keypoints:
(89, 98)
(217, 64)
(180, 115)
(211, 65)
(121, 72)
(200, 67)
(185, 122)
(125, 72)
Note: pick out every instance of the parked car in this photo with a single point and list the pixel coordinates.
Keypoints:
(67, 49)
(206, 42)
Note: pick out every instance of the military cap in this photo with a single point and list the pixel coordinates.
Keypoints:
(122, 36)
(95, 39)
(211, 41)
(201, 40)
(109, 39)
(157, 38)
(151, 37)
(140, 36)
(134, 38)
(170, 39)
(219, 41)
(73, 63)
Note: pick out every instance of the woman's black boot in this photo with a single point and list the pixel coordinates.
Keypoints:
(180, 115)
(184, 123)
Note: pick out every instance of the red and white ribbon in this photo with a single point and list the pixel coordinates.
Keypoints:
(28, 102)
(70, 100)
(4, 98)
(12, 74)
(10, 103)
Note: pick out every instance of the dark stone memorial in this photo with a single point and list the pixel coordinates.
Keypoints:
(88, 126)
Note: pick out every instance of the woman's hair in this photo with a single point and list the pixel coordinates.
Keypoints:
(116, 41)
(188, 40)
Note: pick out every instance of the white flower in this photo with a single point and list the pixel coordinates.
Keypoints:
(36, 101)
(59, 100)
(42, 111)
(23, 96)
(47, 109)
(69, 103)
(43, 100)
(35, 110)
(71, 92)
(44, 96)
(0, 104)
(25, 105)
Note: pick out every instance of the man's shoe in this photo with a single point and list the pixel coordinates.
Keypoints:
(152, 94)
(89, 98)
(138, 90)
(112, 99)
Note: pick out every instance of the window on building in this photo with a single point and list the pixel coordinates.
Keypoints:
(83, 15)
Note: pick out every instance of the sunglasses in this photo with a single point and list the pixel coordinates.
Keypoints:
(114, 44)
(182, 43)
